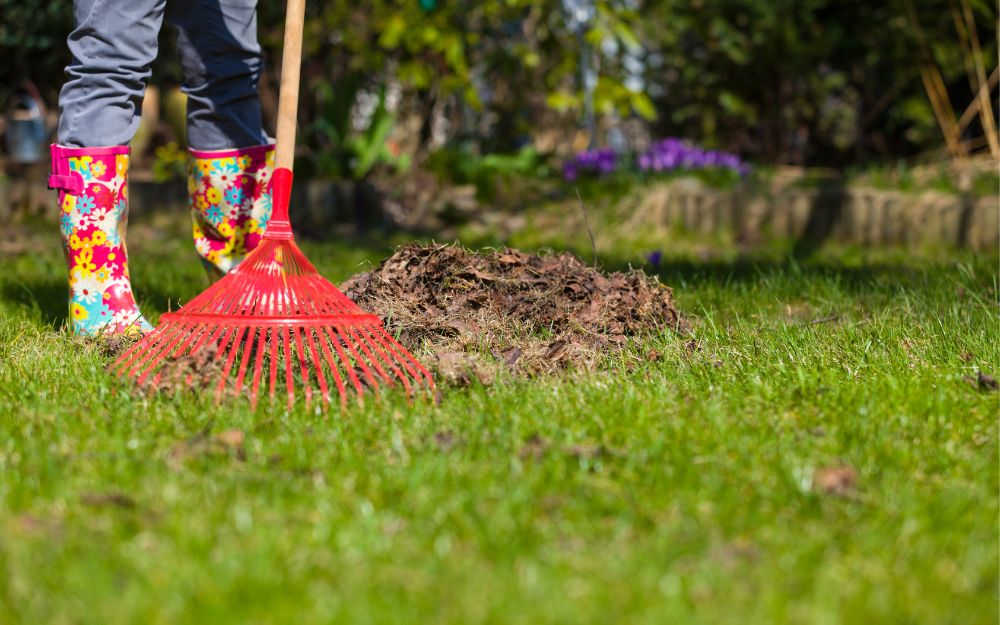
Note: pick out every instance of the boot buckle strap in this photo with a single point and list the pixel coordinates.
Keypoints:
(71, 183)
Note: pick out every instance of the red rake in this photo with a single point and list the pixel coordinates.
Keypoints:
(273, 320)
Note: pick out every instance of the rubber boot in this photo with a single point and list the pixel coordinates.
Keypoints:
(230, 203)
(93, 196)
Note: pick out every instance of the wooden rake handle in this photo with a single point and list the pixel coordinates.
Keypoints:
(288, 107)
(288, 97)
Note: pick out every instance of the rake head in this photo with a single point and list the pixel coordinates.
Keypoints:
(273, 324)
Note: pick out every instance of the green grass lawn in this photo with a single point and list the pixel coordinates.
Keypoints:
(500, 505)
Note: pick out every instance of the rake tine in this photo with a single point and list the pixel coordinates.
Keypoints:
(222, 344)
(196, 332)
(207, 336)
(406, 382)
(120, 362)
(143, 368)
(322, 339)
(140, 356)
(218, 345)
(338, 344)
(233, 349)
(261, 346)
(358, 360)
(289, 386)
(251, 333)
(318, 366)
(272, 365)
(302, 366)
(375, 362)
(399, 355)
(402, 354)
(188, 336)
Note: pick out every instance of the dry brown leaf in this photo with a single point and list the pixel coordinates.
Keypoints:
(839, 480)
(445, 440)
(590, 451)
(556, 350)
(982, 382)
(510, 356)
(231, 438)
(112, 499)
(534, 447)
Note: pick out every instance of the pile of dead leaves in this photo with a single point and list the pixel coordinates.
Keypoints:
(532, 313)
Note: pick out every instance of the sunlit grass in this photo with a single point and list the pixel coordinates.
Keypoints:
(681, 492)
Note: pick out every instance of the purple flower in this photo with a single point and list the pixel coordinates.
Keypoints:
(671, 153)
(595, 163)
(654, 258)
(663, 156)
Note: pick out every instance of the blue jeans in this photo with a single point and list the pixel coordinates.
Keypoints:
(113, 45)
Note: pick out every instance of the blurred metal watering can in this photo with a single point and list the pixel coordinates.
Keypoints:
(25, 137)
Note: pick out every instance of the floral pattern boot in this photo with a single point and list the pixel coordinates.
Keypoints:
(230, 203)
(93, 196)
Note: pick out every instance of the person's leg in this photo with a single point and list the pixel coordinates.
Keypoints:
(221, 61)
(112, 46)
(231, 156)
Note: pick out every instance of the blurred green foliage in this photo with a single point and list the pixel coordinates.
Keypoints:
(33, 45)
(509, 62)
(491, 172)
(807, 81)
(346, 151)
(821, 82)
(170, 162)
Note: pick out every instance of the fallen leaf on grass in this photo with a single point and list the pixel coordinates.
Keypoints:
(735, 553)
(591, 451)
(839, 481)
(556, 350)
(31, 524)
(101, 500)
(551, 503)
(225, 443)
(462, 327)
(534, 447)
(987, 382)
(231, 438)
(982, 382)
(692, 346)
(826, 319)
(510, 356)
(445, 440)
